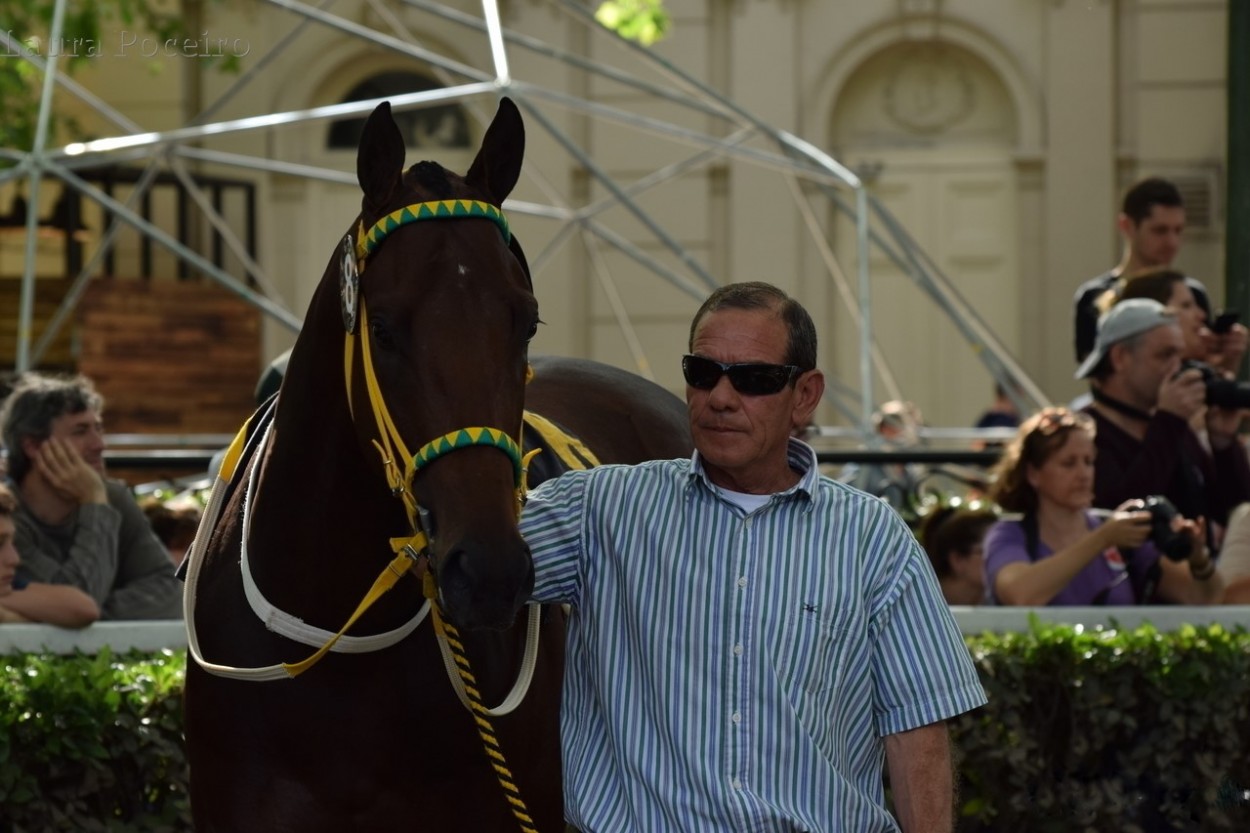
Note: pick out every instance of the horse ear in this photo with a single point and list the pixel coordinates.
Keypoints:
(380, 160)
(498, 163)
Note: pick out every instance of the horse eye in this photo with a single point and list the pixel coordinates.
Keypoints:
(381, 337)
(533, 331)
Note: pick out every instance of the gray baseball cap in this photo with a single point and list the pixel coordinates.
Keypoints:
(1125, 320)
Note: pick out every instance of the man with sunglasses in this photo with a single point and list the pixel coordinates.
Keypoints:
(749, 639)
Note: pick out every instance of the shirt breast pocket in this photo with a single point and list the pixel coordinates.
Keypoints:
(812, 652)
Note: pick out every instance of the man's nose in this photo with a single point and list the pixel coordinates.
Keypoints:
(724, 393)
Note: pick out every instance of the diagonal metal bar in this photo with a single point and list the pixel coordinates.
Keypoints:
(392, 43)
(686, 135)
(84, 276)
(604, 275)
(383, 10)
(556, 242)
(26, 304)
(834, 270)
(664, 174)
(494, 33)
(275, 166)
(572, 60)
(631, 250)
(992, 352)
(256, 68)
(598, 173)
(218, 222)
(330, 111)
(78, 90)
(159, 235)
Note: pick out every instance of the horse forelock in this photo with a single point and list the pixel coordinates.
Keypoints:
(434, 178)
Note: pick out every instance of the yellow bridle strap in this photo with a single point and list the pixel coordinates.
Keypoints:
(401, 564)
(230, 460)
(368, 241)
(564, 445)
(395, 456)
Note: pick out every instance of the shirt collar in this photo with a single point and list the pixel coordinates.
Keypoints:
(800, 456)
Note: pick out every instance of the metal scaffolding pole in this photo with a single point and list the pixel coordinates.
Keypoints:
(802, 163)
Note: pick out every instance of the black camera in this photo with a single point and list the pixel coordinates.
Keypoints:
(1221, 392)
(1224, 322)
(1176, 545)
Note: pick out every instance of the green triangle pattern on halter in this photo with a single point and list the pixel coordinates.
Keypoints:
(433, 210)
(465, 437)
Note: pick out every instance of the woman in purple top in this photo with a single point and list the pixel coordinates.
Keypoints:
(1059, 553)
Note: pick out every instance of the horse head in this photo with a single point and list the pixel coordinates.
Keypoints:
(438, 296)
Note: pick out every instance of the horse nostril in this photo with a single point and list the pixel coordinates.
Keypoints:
(480, 588)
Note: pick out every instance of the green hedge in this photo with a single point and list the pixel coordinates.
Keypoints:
(92, 743)
(1098, 730)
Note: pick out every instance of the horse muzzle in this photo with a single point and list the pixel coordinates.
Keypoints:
(481, 587)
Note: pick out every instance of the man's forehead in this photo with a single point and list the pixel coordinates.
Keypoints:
(87, 416)
(1164, 215)
(1165, 335)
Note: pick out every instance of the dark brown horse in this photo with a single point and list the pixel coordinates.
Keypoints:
(376, 740)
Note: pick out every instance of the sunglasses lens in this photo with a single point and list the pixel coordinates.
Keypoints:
(700, 373)
(747, 379)
(759, 379)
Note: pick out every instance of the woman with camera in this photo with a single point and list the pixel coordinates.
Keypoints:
(1220, 343)
(1061, 553)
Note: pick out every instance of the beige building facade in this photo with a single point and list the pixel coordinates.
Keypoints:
(999, 132)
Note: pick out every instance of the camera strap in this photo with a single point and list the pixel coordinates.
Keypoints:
(1118, 406)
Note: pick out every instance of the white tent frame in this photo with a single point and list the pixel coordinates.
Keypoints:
(807, 170)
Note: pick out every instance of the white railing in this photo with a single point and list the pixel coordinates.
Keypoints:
(153, 636)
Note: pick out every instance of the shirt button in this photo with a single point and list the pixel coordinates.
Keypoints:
(742, 582)
(737, 650)
(736, 717)
(736, 784)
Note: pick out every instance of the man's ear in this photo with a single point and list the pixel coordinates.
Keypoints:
(1126, 225)
(31, 446)
(1117, 355)
(808, 390)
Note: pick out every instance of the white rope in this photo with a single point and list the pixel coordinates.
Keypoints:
(522, 685)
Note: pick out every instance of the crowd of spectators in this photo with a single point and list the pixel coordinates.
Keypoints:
(1139, 493)
(1159, 426)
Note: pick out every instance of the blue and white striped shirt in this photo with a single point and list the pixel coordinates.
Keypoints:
(737, 672)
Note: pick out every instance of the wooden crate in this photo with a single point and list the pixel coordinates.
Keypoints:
(170, 357)
(49, 292)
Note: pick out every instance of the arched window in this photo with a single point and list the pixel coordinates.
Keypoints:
(440, 126)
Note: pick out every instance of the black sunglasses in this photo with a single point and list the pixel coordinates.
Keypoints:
(747, 378)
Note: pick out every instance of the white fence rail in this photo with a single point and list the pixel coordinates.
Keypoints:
(153, 636)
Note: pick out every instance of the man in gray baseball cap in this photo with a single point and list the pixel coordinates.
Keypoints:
(1122, 322)
(1144, 403)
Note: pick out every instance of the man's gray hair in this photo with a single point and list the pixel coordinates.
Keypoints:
(35, 401)
(757, 295)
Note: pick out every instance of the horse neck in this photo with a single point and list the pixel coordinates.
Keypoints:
(322, 504)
